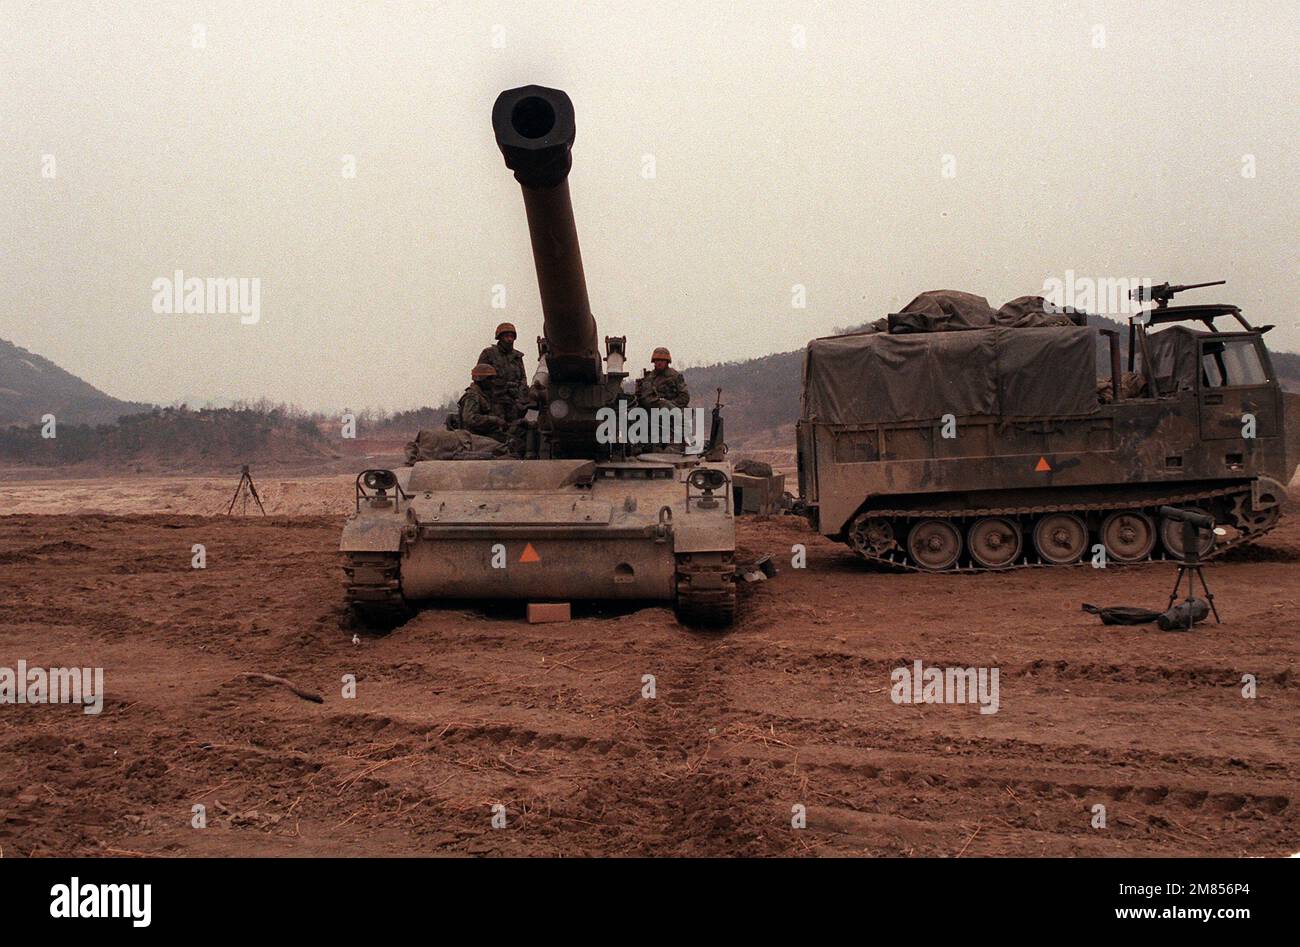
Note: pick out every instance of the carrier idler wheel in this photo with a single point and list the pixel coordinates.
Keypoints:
(1128, 536)
(994, 542)
(934, 544)
(1060, 538)
(1171, 534)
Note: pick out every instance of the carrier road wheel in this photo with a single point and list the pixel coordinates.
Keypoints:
(994, 542)
(934, 545)
(1060, 538)
(1128, 536)
(1171, 534)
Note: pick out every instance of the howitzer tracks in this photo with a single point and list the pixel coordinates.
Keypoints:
(705, 587)
(374, 588)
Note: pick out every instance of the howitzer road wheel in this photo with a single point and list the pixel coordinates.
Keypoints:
(1060, 538)
(994, 542)
(1129, 536)
(934, 544)
(1171, 534)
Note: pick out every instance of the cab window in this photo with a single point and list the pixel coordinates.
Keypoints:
(1231, 363)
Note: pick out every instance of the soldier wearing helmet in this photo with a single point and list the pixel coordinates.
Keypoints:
(664, 387)
(477, 414)
(510, 391)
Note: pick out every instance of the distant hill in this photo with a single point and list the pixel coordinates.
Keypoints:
(98, 434)
(758, 395)
(32, 386)
(762, 394)
(175, 440)
(1287, 366)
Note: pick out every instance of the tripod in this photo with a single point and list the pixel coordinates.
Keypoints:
(247, 488)
(1191, 567)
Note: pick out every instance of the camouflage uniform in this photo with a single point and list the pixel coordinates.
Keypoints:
(663, 388)
(478, 415)
(510, 393)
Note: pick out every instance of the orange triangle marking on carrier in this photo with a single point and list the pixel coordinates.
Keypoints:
(1043, 466)
(529, 554)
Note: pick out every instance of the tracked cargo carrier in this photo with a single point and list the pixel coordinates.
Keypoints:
(577, 517)
(997, 447)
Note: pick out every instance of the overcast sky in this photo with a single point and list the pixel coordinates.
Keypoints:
(792, 144)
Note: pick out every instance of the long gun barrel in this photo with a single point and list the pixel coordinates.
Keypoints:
(535, 130)
(1163, 292)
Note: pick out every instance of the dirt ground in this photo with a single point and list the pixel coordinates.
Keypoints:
(464, 708)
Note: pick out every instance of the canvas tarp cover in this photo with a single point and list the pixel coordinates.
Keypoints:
(951, 310)
(451, 445)
(1175, 358)
(942, 310)
(1012, 373)
(1027, 311)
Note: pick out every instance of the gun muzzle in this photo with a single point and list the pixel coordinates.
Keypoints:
(534, 129)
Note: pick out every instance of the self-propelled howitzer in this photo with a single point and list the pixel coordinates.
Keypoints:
(581, 516)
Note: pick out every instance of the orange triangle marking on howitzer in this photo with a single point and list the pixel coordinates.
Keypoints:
(1043, 466)
(529, 554)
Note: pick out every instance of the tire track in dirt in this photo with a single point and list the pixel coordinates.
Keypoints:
(1044, 672)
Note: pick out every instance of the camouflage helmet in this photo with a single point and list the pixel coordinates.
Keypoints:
(663, 353)
(483, 370)
(506, 327)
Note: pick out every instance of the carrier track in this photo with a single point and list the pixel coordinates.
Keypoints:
(921, 540)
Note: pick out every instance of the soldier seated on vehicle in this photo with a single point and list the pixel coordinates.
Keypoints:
(510, 394)
(476, 412)
(664, 387)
